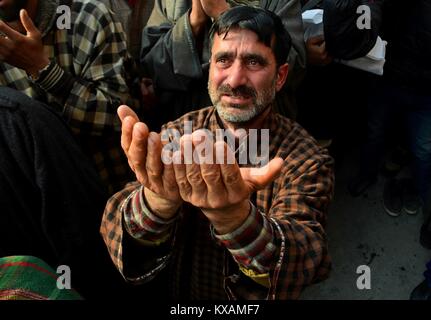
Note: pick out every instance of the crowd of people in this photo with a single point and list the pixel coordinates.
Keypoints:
(87, 113)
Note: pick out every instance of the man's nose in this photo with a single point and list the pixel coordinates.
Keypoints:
(237, 75)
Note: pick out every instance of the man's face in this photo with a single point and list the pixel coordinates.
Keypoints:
(9, 9)
(244, 77)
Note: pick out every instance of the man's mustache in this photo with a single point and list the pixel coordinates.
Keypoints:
(243, 91)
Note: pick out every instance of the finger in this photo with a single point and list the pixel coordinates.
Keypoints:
(127, 133)
(9, 32)
(193, 170)
(28, 23)
(169, 182)
(125, 111)
(230, 173)
(181, 176)
(259, 178)
(210, 172)
(138, 152)
(154, 166)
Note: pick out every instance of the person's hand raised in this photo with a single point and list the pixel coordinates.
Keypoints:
(144, 153)
(24, 51)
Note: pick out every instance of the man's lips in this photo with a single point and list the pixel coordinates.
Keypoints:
(235, 99)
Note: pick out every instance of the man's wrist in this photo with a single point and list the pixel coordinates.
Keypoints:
(35, 71)
(228, 219)
(162, 208)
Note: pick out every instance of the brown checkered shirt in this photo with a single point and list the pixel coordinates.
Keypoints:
(295, 205)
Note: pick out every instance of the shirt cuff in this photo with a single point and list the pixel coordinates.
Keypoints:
(141, 223)
(55, 80)
(251, 245)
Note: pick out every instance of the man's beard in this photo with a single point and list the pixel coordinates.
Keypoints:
(247, 112)
(11, 13)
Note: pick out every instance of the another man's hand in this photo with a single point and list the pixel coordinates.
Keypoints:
(23, 51)
(214, 8)
(316, 51)
(222, 191)
(143, 150)
(198, 18)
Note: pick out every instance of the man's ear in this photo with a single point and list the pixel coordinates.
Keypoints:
(282, 73)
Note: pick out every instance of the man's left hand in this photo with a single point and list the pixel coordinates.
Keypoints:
(23, 51)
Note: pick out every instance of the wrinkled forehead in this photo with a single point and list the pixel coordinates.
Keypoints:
(240, 40)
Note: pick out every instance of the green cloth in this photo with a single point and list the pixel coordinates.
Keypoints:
(29, 278)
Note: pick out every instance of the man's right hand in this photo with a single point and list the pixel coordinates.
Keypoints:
(143, 150)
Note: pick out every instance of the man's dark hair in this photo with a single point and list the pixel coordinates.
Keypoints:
(264, 23)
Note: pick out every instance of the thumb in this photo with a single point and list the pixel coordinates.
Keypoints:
(28, 23)
(259, 178)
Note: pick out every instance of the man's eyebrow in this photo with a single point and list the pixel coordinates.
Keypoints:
(253, 56)
(224, 54)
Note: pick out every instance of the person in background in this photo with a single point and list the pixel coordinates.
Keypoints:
(402, 92)
(78, 71)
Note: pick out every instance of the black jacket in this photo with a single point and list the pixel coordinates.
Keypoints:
(406, 25)
(51, 198)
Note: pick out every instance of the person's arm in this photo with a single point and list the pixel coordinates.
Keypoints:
(344, 39)
(90, 93)
(138, 241)
(292, 244)
(138, 221)
(171, 44)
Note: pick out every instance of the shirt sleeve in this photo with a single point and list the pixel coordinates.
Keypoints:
(251, 246)
(141, 223)
(89, 92)
(299, 200)
(138, 261)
